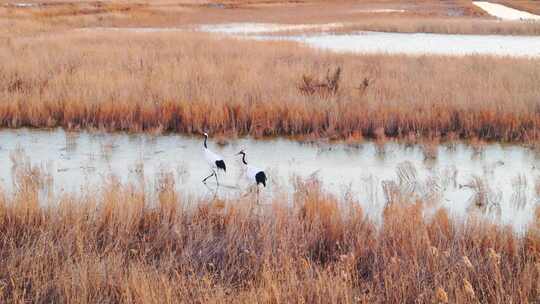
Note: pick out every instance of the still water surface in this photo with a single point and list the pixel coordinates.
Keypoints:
(369, 173)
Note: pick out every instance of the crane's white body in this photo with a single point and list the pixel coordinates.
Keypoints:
(215, 161)
(251, 172)
(254, 174)
(211, 158)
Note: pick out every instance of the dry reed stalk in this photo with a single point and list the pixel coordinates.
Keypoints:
(418, 16)
(329, 87)
(530, 6)
(165, 82)
(441, 295)
(115, 245)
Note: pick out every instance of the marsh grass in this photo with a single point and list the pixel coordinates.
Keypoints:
(116, 245)
(530, 6)
(187, 82)
(323, 88)
(449, 17)
(431, 24)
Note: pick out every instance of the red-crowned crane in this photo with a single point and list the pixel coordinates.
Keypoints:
(254, 174)
(214, 160)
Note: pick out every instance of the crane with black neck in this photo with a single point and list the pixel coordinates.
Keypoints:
(215, 161)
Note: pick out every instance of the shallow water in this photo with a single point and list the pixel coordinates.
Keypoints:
(132, 29)
(259, 28)
(367, 172)
(389, 43)
(21, 5)
(367, 42)
(420, 43)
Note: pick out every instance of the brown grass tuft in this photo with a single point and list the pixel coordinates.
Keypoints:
(119, 244)
(469, 290)
(441, 295)
(185, 82)
(466, 262)
(326, 88)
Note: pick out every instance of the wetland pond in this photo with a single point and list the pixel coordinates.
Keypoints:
(370, 42)
(364, 42)
(502, 180)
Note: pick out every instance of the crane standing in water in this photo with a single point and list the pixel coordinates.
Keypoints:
(214, 160)
(254, 174)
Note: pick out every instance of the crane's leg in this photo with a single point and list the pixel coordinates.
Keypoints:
(215, 194)
(257, 194)
(213, 173)
(217, 181)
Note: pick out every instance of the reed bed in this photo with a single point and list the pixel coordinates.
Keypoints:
(189, 82)
(433, 24)
(114, 245)
(530, 6)
(449, 17)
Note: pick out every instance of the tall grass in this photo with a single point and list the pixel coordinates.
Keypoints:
(456, 17)
(117, 246)
(431, 24)
(531, 6)
(187, 82)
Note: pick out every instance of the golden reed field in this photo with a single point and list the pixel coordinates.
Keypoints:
(122, 247)
(118, 244)
(449, 17)
(188, 82)
(58, 69)
(529, 6)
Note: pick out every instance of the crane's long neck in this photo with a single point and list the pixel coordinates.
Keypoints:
(244, 158)
(205, 138)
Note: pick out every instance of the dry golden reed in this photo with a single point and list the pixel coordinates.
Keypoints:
(185, 82)
(117, 244)
(450, 17)
(466, 262)
(469, 290)
(441, 295)
(531, 6)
